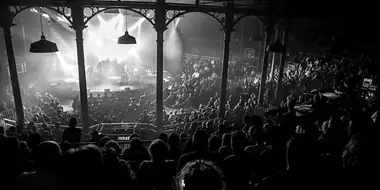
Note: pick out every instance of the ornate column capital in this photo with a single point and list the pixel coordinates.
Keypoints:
(78, 17)
(6, 17)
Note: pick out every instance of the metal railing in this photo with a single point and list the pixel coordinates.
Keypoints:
(123, 144)
(8, 114)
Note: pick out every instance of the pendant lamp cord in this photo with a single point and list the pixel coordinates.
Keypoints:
(126, 20)
(42, 28)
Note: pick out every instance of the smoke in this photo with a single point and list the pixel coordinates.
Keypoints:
(173, 49)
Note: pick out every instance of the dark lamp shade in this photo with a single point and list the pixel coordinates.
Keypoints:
(43, 46)
(276, 47)
(126, 39)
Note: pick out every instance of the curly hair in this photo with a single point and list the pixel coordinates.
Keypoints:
(200, 175)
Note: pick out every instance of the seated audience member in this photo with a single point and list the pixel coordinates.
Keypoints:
(200, 144)
(163, 137)
(83, 168)
(238, 167)
(136, 152)
(72, 134)
(117, 172)
(174, 147)
(47, 156)
(158, 172)
(200, 175)
(10, 148)
(103, 141)
(225, 150)
(113, 145)
(214, 143)
(57, 133)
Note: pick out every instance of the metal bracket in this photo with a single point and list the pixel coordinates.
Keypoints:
(171, 15)
(238, 17)
(89, 12)
(61, 10)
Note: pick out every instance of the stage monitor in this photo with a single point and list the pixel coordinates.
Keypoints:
(368, 84)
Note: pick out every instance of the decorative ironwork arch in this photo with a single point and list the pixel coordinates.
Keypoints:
(58, 9)
(142, 12)
(174, 14)
(239, 17)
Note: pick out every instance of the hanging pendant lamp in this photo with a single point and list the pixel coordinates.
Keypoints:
(43, 45)
(126, 38)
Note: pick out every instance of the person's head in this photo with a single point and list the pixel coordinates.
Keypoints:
(375, 117)
(103, 141)
(353, 152)
(2, 130)
(82, 167)
(174, 141)
(10, 148)
(226, 140)
(57, 125)
(94, 135)
(301, 154)
(200, 140)
(113, 145)
(200, 175)
(163, 137)
(158, 150)
(238, 142)
(12, 129)
(135, 142)
(214, 143)
(48, 155)
(34, 140)
(134, 135)
(252, 134)
(73, 122)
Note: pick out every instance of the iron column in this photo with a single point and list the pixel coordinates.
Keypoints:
(6, 24)
(273, 58)
(282, 65)
(160, 26)
(79, 26)
(228, 29)
(268, 32)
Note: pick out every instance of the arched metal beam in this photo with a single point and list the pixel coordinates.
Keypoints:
(174, 14)
(239, 17)
(142, 12)
(59, 9)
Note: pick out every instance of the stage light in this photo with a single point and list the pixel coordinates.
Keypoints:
(43, 45)
(126, 38)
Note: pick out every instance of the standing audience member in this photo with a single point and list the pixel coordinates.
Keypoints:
(72, 134)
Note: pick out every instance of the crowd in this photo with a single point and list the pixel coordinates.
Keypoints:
(334, 146)
(191, 89)
(194, 91)
(335, 149)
